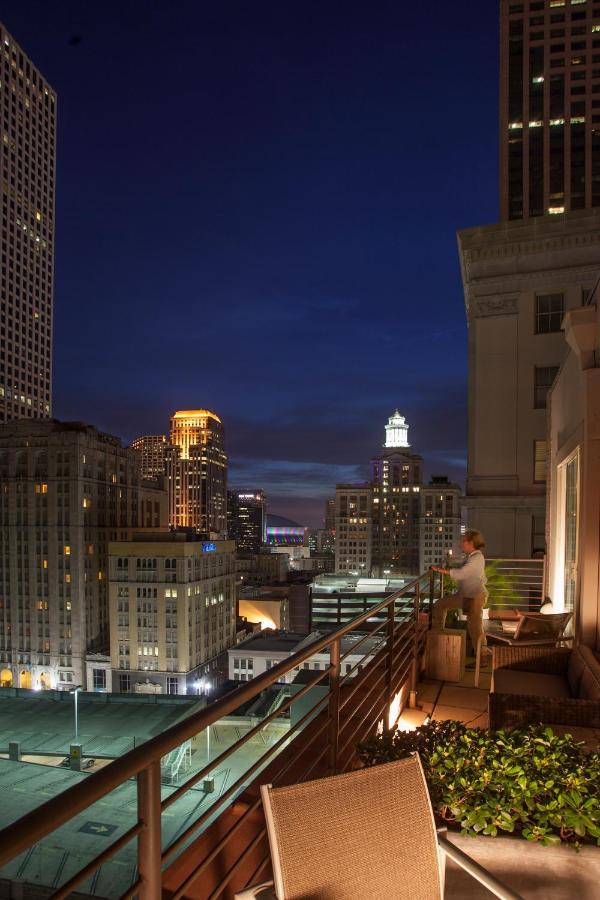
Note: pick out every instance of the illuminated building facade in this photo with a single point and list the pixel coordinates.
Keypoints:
(27, 162)
(247, 519)
(172, 609)
(439, 523)
(66, 490)
(549, 107)
(353, 529)
(197, 472)
(396, 478)
(152, 449)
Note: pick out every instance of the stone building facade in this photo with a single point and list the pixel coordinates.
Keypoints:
(520, 278)
(66, 490)
(172, 609)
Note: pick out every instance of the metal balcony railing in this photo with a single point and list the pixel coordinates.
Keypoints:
(519, 585)
(318, 728)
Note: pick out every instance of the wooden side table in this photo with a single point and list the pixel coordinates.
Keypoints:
(446, 654)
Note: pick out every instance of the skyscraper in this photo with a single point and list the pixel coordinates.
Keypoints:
(197, 472)
(247, 519)
(549, 107)
(27, 163)
(151, 449)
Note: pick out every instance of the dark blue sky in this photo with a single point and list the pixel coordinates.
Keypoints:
(256, 212)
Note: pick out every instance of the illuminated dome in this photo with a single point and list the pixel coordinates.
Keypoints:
(396, 431)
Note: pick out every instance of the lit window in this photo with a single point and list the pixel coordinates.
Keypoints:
(536, 124)
(513, 126)
(557, 121)
(67, 550)
(556, 210)
(539, 79)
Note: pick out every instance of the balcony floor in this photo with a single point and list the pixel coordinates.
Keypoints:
(447, 700)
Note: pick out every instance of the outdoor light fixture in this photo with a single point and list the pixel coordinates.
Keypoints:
(75, 691)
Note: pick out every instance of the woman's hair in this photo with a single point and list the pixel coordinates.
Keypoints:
(476, 538)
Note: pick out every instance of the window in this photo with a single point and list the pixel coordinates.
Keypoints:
(539, 461)
(543, 379)
(549, 312)
(99, 677)
(124, 683)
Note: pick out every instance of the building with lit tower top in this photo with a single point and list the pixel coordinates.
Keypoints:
(197, 472)
(396, 477)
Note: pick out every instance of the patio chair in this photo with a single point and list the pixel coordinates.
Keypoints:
(363, 835)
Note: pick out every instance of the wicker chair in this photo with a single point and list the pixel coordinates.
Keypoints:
(553, 685)
(364, 835)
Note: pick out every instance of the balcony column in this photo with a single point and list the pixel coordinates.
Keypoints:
(391, 636)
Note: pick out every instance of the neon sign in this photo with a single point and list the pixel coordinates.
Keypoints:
(209, 547)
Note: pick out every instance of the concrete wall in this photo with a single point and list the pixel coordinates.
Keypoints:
(574, 430)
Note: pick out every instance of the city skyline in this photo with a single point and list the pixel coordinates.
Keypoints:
(254, 214)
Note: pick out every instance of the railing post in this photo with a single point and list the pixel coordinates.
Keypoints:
(334, 704)
(149, 840)
(414, 673)
(431, 595)
(391, 636)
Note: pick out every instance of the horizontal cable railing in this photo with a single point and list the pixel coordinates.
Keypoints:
(516, 584)
(333, 711)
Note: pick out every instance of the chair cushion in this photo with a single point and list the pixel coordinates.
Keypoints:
(576, 667)
(589, 688)
(537, 684)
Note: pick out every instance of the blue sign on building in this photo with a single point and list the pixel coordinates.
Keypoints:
(209, 547)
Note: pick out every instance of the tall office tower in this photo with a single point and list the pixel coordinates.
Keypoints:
(152, 449)
(396, 475)
(330, 514)
(66, 490)
(197, 472)
(172, 609)
(549, 107)
(247, 519)
(439, 523)
(27, 164)
(353, 528)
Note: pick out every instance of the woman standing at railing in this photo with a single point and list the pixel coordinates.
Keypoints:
(471, 596)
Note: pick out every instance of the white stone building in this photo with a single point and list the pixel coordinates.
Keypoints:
(519, 278)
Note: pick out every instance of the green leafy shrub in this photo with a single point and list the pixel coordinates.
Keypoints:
(530, 782)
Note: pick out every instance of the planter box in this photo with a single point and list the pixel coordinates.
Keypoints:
(535, 872)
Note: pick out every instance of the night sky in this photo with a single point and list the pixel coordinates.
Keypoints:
(257, 207)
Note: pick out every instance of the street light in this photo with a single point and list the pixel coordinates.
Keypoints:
(75, 691)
